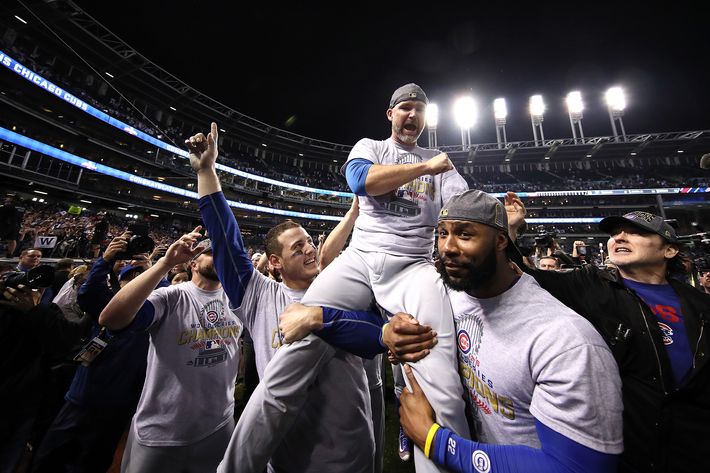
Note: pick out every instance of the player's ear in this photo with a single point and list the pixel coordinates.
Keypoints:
(275, 261)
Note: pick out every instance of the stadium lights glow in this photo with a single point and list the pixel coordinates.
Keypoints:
(615, 99)
(537, 106)
(432, 115)
(41, 192)
(173, 108)
(156, 216)
(537, 110)
(616, 103)
(23, 21)
(574, 102)
(86, 201)
(465, 112)
(109, 74)
(500, 110)
(575, 106)
(122, 208)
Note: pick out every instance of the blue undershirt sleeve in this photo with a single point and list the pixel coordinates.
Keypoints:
(356, 173)
(233, 266)
(557, 454)
(357, 332)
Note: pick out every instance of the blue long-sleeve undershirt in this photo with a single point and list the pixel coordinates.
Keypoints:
(357, 332)
(231, 261)
(356, 174)
(557, 454)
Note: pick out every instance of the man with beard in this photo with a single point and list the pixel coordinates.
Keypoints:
(543, 389)
(400, 187)
(184, 418)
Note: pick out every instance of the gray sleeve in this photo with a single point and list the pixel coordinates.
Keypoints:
(578, 394)
(275, 404)
(451, 184)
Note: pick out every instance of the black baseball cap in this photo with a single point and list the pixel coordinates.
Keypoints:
(478, 206)
(408, 92)
(644, 220)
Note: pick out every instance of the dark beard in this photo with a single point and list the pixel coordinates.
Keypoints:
(477, 275)
(208, 272)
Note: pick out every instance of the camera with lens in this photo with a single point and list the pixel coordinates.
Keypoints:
(545, 238)
(35, 278)
(138, 243)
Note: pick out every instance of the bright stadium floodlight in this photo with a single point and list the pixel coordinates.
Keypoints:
(537, 110)
(500, 112)
(432, 120)
(465, 113)
(575, 107)
(616, 103)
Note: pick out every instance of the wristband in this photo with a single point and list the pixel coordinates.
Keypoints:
(430, 438)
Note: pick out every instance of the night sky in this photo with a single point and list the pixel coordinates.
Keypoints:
(327, 72)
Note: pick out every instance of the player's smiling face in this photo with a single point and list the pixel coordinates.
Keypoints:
(408, 120)
(631, 247)
(298, 260)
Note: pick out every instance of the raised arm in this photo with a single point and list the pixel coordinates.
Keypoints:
(333, 245)
(124, 306)
(233, 266)
(515, 209)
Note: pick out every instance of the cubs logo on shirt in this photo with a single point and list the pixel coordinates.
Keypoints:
(464, 341)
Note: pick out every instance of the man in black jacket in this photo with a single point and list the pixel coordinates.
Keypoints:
(655, 327)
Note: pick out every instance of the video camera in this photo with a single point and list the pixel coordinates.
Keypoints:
(138, 243)
(698, 247)
(545, 238)
(35, 278)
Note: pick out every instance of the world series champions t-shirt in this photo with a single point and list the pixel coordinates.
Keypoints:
(665, 305)
(401, 222)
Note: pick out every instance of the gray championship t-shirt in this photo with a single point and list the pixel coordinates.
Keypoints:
(402, 222)
(523, 355)
(193, 358)
(264, 300)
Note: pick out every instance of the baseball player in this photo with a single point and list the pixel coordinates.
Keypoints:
(401, 188)
(542, 385)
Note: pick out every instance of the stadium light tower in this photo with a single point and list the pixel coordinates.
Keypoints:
(616, 103)
(500, 112)
(575, 106)
(465, 113)
(537, 110)
(432, 120)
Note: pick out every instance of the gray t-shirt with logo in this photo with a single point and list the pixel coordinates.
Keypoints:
(193, 358)
(523, 355)
(402, 222)
(263, 301)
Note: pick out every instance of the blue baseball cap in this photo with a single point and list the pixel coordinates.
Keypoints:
(128, 270)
